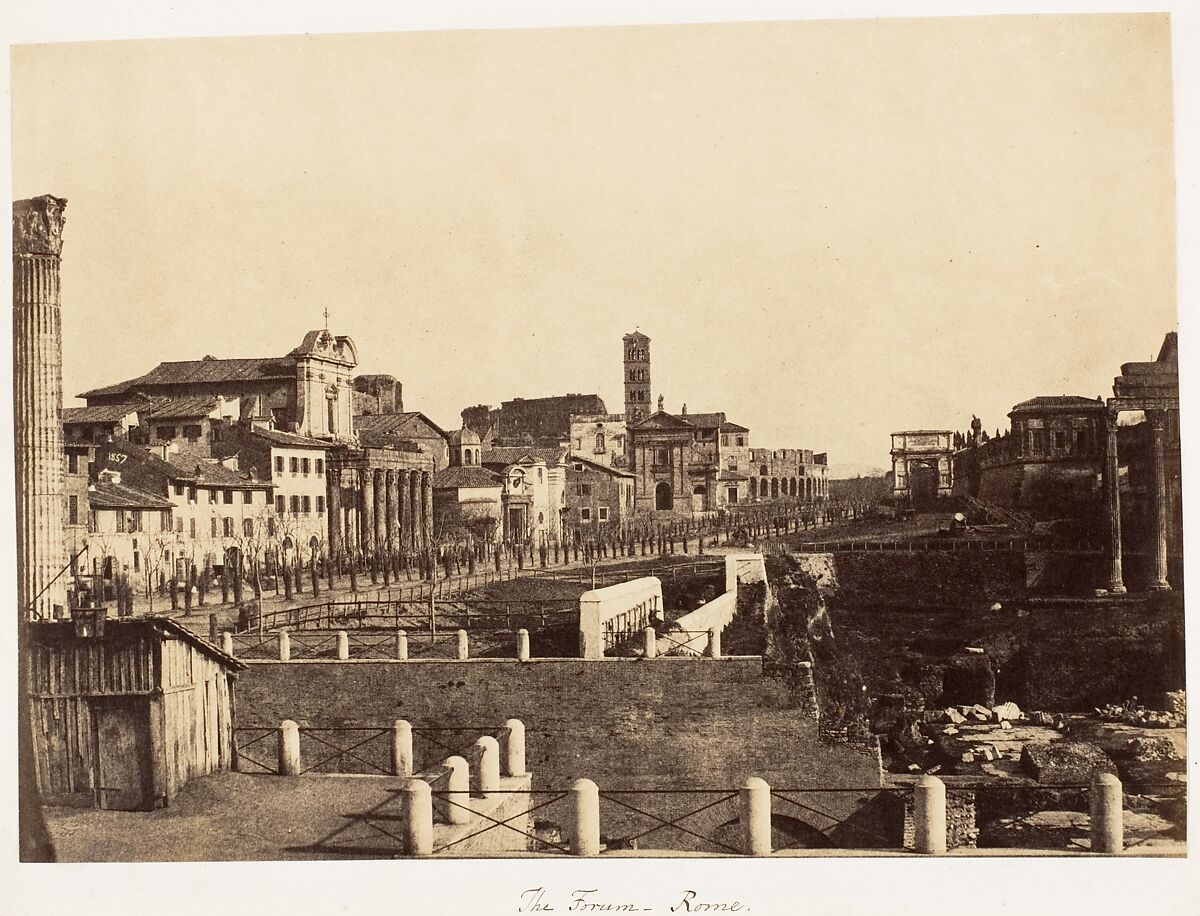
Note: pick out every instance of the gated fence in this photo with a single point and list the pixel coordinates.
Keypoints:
(430, 615)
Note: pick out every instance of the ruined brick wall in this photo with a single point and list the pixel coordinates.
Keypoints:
(961, 831)
(675, 723)
(930, 577)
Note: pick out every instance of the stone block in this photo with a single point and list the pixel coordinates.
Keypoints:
(1007, 712)
(1065, 762)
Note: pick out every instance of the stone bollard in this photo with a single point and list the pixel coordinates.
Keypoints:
(650, 643)
(463, 646)
(489, 765)
(458, 800)
(585, 818)
(343, 645)
(402, 748)
(1106, 800)
(418, 818)
(289, 748)
(929, 815)
(227, 643)
(754, 802)
(285, 646)
(402, 645)
(514, 748)
(522, 645)
(713, 649)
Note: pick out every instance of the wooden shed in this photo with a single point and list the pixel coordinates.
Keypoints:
(124, 712)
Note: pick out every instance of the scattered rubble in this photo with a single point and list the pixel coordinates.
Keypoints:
(1153, 747)
(1133, 713)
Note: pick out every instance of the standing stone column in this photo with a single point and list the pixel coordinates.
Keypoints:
(367, 521)
(426, 508)
(381, 513)
(404, 508)
(414, 507)
(389, 483)
(1158, 428)
(1112, 493)
(333, 496)
(37, 405)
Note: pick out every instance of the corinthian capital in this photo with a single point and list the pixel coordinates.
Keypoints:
(38, 225)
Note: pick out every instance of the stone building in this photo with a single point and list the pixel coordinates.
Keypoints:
(1048, 462)
(405, 430)
(597, 495)
(467, 502)
(307, 391)
(127, 531)
(669, 472)
(377, 394)
(600, 437)
(37, 406)
(534, 491)
(787, 474)
(540, 422)
(922, 466)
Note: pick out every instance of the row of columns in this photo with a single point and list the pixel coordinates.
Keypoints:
(391, 508)
(1112, 497)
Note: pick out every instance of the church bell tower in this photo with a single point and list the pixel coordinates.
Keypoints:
(637, 377)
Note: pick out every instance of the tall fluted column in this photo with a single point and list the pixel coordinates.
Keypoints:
(37, 405)
(1158, 430)
(426, 508)
(1112, 494)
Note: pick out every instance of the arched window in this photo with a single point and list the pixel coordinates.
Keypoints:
(754, 488)
(599, 442)
(774, 488)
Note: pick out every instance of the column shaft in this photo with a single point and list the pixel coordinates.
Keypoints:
(1112, 492)
(1157, 425)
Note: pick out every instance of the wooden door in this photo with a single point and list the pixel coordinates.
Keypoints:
(122, 754)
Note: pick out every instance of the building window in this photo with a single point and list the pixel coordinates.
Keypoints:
(164, 432)
(164, 520)
(604, 513)
(578, 465)
(137, 561)
(305, 464)
(192, 495)
(281, 504)
(72, 510)
(585, 515)
(178, 489)
(320, 462)
(539, 475)
(662, 457)
(248, 527)
(227, 497)
(191, 528)
(228, 526)
(72, 463)
(741, 441)
(278, 464)
(247, 497)
(191, 433)
(1060, 439)
(731, 464)
(600, 448)
(215, 526)
(295, 505)
(294, 464)
(135, 520)
(585, 489)
(120, 521)
(320, 505)
(306, 503)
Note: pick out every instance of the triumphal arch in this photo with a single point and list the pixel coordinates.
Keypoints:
(921, 464)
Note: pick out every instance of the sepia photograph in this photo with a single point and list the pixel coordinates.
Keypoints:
(577, 445)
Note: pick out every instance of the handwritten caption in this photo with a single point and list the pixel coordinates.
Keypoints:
(594, 900)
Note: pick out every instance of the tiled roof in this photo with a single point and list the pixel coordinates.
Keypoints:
(209, 473)
(199, 371)
(289, 440)
(412, 424)
(728, 427)
(180, 408)
(460, 477)
(108, 413)
(704, 420)
(597, 466)
(1065, 400)
(511, 454)
(105, 495)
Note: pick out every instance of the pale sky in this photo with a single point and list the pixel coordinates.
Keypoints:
(830, 231)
